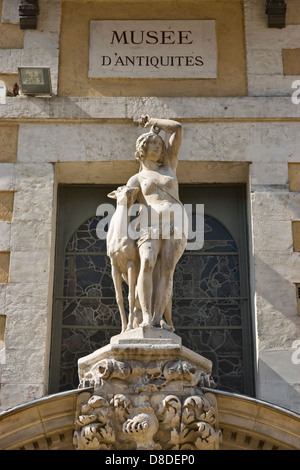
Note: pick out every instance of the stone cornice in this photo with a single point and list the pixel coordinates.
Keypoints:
(32, 109)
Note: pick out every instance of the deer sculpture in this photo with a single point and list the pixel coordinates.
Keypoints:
(123, 253)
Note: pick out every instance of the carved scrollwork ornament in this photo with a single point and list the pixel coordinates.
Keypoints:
(93, 430)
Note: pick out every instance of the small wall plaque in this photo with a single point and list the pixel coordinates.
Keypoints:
(35, 80)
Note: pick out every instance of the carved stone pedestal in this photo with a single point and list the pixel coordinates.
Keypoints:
(147, 396)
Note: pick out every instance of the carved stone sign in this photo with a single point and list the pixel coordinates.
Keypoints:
(153, 49)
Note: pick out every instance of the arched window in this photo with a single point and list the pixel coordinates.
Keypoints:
(210, 309)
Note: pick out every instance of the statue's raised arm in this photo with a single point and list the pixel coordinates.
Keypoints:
(171, 127)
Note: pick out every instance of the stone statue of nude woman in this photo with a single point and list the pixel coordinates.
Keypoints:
(157, 194)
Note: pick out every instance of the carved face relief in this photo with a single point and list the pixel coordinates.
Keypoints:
(154, 148)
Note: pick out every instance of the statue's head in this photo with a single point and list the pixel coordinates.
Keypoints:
(151, 146)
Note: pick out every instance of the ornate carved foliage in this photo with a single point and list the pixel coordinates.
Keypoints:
(160, 407)
(176, 424)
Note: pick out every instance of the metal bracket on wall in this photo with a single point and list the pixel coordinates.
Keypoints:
(28, 13)
(276, 11)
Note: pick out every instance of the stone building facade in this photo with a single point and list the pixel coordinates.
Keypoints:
(240, 157)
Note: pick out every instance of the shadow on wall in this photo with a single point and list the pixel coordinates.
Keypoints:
(278, 372)
(278, 333)
(276, 300)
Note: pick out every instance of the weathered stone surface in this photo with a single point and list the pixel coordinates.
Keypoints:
(74, 108)
(10, 13)
(84, 142)
(27, 297)
(7, 177)
(16, 373)
(266, 143)
(270, 203)
(17, 324)
(5, 236)
(279, 370)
